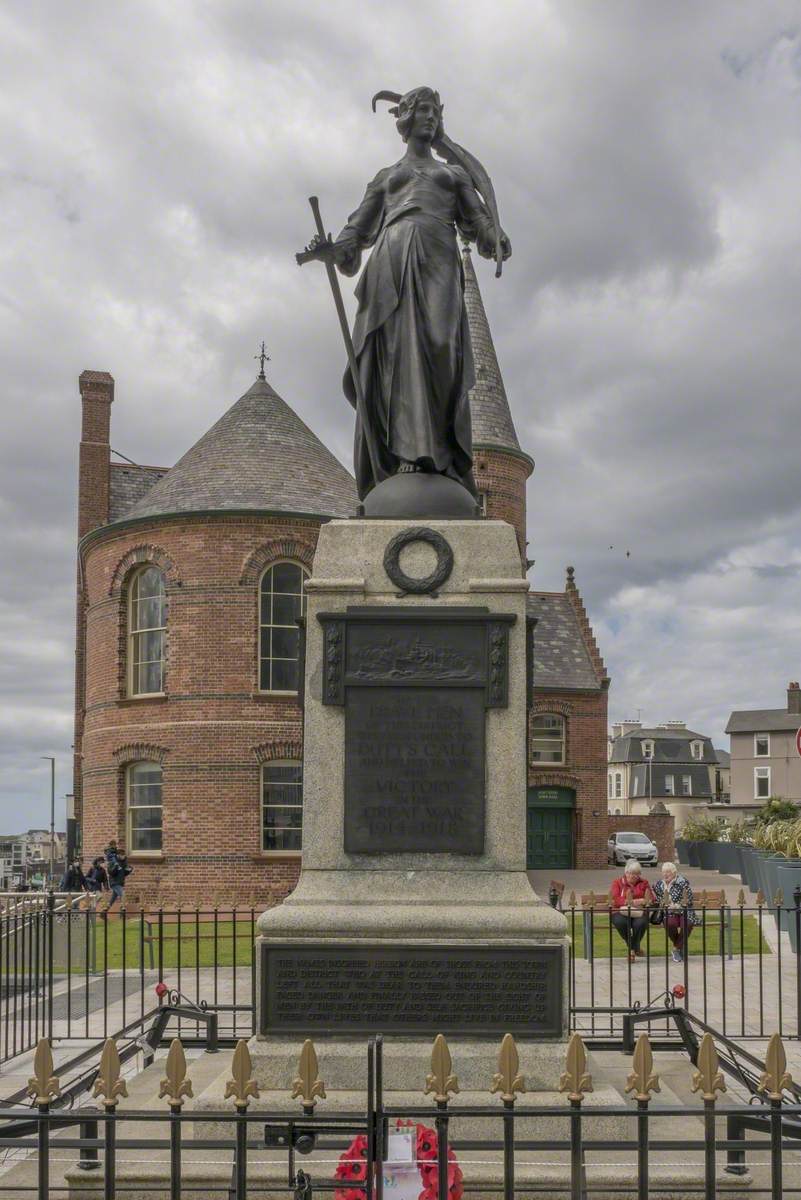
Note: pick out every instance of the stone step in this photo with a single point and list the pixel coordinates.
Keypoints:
(150, 1180)
(406, 1063)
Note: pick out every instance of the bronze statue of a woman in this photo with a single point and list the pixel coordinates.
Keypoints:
(411, 364)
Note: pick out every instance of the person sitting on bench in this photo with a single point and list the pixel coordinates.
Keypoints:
(631, 894)
(674, 894)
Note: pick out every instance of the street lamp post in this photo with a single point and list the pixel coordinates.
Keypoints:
(49, 758)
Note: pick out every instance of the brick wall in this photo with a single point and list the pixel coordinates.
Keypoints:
(94, 483)
(501, 477)
(659, 828)
(584, 771)
(212, 729)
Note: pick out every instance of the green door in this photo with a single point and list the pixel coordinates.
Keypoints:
(549, 828)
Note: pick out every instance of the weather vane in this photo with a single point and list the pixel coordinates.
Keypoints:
(263, 357)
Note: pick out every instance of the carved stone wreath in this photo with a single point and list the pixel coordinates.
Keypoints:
(429, 583)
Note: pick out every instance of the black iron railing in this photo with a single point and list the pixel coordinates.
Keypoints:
(95, 1138)
(739, 968)
(70, 969)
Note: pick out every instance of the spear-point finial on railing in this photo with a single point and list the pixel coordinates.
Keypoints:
(43, 1084)
(307, 1085)
(778, 899)
(571, 900)
(508, 1080)
(741, 898)
(708, 1079)
(760, 898)
(643, 1080)
(241, 1085)
(263, 357)
(109, 1083)
(576, 1079)
(441, 1080)
(175, 1085)
(775, 1078)
(723, 900)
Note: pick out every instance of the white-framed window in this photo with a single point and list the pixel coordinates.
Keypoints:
(761, 783)
(670, 785)
(281, 602)
(697, 749)
(281, 805)
(609, 786)
(144, 805)
(618, 785)
(761, 745)
(648, 749)
(547, 738)
(147, 625)
(686, 785)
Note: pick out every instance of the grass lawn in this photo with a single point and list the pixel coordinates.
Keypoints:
(745, 934)
(191, 943)
(196, 945)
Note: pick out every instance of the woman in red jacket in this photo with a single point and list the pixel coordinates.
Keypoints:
(631, 894)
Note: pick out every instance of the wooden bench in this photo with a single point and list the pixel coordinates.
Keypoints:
(706, 901)
(591, 903)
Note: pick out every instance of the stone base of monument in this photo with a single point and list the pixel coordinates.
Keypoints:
(413, 914)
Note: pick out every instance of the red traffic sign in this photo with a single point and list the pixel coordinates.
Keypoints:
(798, 741)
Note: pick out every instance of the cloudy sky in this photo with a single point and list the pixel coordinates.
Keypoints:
(155, 161)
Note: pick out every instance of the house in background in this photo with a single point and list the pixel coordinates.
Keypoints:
(668, 763)
(24, 855)
(721, 777)
(765, 758)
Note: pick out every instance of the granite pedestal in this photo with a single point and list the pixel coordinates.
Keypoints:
(413, 914)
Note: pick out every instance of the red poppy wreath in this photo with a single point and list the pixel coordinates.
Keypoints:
(352, 1167)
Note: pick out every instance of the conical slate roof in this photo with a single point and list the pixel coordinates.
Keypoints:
(258, 456)
(489, 408)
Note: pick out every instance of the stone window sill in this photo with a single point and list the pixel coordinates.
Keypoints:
(152, 698)
(146, 858)
(266, 696)
(277, 856)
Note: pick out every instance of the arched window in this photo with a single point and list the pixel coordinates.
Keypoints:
(147, 622)
(281, 602)
(547, 738)
(144, 805)
(282, 805)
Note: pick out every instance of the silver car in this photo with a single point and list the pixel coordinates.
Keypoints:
(623, 846)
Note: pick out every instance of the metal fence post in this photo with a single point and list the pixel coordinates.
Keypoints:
(89, 1158)
(797, 918)
(49, 918)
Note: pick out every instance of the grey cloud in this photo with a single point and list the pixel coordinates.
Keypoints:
(156, 167)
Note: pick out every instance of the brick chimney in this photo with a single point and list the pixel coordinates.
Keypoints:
(793, 698)
(94, 469)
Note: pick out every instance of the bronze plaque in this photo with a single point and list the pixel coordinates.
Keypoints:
(414, 770)
(425, 990)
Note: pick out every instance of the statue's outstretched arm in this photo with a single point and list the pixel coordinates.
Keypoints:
(362, 228)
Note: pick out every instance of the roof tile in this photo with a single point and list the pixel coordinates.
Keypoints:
(259, 456)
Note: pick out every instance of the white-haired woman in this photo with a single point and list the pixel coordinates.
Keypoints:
(631, 894)
(673, 895)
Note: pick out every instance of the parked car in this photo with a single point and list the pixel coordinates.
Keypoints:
(623, 846)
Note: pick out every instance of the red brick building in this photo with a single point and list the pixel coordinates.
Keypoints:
(188, 734)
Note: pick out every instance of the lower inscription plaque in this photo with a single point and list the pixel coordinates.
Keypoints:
(414, 989)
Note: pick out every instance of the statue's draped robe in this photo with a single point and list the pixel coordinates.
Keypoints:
(410, 336)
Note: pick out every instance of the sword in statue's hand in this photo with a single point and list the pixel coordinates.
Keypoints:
(321, 249)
